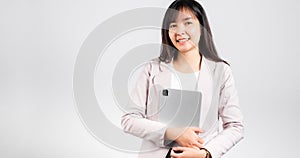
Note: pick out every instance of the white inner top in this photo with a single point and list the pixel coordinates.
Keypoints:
(194, 82)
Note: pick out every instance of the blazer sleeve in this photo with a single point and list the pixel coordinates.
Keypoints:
(230, 113)
(135, 121)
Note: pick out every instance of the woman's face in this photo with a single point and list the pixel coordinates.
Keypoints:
(185, 31)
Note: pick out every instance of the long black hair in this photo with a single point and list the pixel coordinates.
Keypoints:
(206, 44)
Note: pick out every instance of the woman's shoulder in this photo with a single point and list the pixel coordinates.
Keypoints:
(152, 65)
(217, 66)
(220, 71)
(156, 63)
(155, 66)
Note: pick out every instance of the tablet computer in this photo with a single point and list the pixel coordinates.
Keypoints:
(180, 108)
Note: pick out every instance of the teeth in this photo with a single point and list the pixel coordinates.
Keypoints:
(183, 40)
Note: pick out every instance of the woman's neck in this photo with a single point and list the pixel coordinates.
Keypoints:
(188, 62)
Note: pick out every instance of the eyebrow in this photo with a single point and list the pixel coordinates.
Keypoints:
(185, 19)
(188, 18)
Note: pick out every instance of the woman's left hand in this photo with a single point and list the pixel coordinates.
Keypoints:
(187, 152)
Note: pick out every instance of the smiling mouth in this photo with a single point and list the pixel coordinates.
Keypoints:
(182, 40)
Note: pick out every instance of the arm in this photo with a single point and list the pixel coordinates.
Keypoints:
(230, 113)
(135, 120)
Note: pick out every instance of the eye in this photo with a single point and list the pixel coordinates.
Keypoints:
(188, 23)
(172, 26)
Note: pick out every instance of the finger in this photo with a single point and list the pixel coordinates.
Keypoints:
(174, 155)
(198, 145)
(179, 148)
(200, 140)
(197, 130)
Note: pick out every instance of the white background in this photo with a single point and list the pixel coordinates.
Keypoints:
(39, 42)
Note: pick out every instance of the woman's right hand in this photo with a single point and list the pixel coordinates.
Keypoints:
(187, 153)
(185, 137)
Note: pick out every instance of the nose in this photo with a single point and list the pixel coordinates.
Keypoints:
(180, 30)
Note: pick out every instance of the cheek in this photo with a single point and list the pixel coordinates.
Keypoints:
(195, 33)
(172, 36)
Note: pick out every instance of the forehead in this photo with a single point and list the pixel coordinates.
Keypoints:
(183, 14)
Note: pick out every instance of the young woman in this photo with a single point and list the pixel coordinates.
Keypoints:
(188, 51)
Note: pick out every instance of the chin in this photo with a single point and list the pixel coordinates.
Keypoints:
(184, 50)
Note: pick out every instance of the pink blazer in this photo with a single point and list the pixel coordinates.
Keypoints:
(219, 100)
